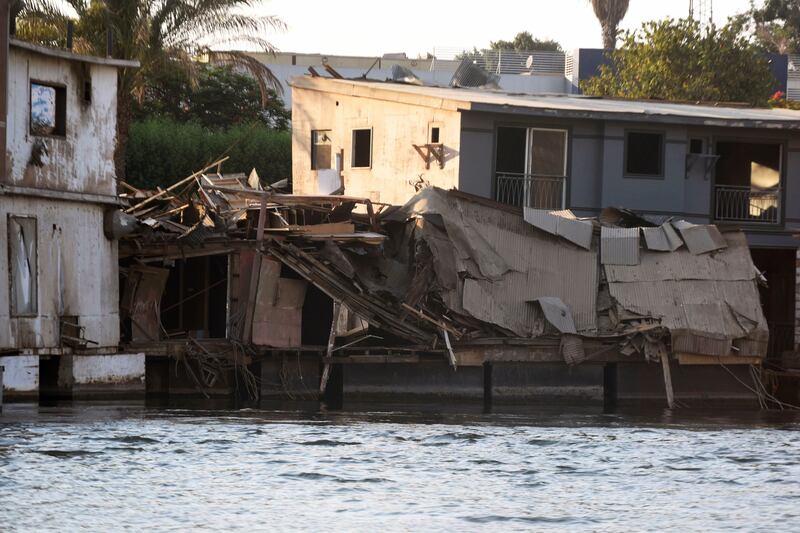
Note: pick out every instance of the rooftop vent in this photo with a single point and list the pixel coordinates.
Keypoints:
(401, 74)
(469, 74)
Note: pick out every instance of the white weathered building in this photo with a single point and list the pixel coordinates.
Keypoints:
(58, 271)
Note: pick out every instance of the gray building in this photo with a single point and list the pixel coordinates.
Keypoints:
(707, 164)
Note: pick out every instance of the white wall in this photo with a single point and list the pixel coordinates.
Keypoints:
(396, 126)
(83, 161)
(77, 274)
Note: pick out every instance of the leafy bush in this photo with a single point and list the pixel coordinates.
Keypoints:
(162, 151)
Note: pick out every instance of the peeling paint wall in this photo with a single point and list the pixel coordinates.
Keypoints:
(396, 165)
(105, 369)
(82, 160)
(77, 274)
(21, 374)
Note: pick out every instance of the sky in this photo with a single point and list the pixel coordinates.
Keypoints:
(416, 27)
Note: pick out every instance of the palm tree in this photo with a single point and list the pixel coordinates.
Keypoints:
(157, 33)
(610, 13)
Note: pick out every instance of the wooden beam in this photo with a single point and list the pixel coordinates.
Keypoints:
(326, 370)
(667, 379)
(255, 276)
(696, 359)
(138, 206)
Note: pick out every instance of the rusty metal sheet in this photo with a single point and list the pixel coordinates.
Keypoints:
(619, 246)
(700, 238)
(561, 223)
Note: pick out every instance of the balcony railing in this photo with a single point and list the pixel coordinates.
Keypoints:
(745, 204)
(527, 190)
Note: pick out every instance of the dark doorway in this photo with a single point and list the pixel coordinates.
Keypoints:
(778, 298)
(195, 301)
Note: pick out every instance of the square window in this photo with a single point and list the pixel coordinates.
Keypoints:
(23, 265)
(696, 146)
(321, 149)
(362, 148)
(48, 114)
(644, 154)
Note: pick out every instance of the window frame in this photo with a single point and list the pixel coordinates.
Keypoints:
(12, 310)
(313, 150)
(61, 109)
(529, 137)
(662, 159)
(353, 147)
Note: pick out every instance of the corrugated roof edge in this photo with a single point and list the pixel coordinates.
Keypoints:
(552, 105)
(71, 56)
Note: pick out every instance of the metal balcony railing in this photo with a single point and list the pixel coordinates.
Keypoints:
(528, 190)
(745, 204)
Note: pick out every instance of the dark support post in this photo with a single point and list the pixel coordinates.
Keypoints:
(109, 43)
(487, 387)
(610, 386)
(70, 34)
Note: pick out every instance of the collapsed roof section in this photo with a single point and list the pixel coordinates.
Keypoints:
(454, 266)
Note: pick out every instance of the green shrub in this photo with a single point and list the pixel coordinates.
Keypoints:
(161, 151)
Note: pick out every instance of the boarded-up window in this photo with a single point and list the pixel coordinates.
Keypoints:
(22, 254)
(321, 149)
(362, 148)
(48, 110)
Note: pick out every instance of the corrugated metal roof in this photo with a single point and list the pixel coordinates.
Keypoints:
(535, 264)
(553, 105)
(734, 264)
(707, 301)
(700, 238)
(557, 313)
(561, 223)
(619, 246)
(663, 238)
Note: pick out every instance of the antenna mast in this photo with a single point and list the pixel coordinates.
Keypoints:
(702, 11)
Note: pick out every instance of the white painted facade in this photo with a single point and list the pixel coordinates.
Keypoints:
(21, 374)
(65, 181)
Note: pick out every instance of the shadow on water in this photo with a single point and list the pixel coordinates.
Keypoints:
(547, 414)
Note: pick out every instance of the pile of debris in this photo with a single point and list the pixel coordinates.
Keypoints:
(449, 269)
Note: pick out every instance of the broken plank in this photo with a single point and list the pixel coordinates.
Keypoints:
(326, 371)
(697, 359)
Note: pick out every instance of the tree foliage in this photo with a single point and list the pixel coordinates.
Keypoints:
(524, 41)
(218, 97)
(161, 151)
(610, 13)
(777, 25)
(678, 60)
(157, 33)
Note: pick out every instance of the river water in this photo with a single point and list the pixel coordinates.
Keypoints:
(127, 467)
